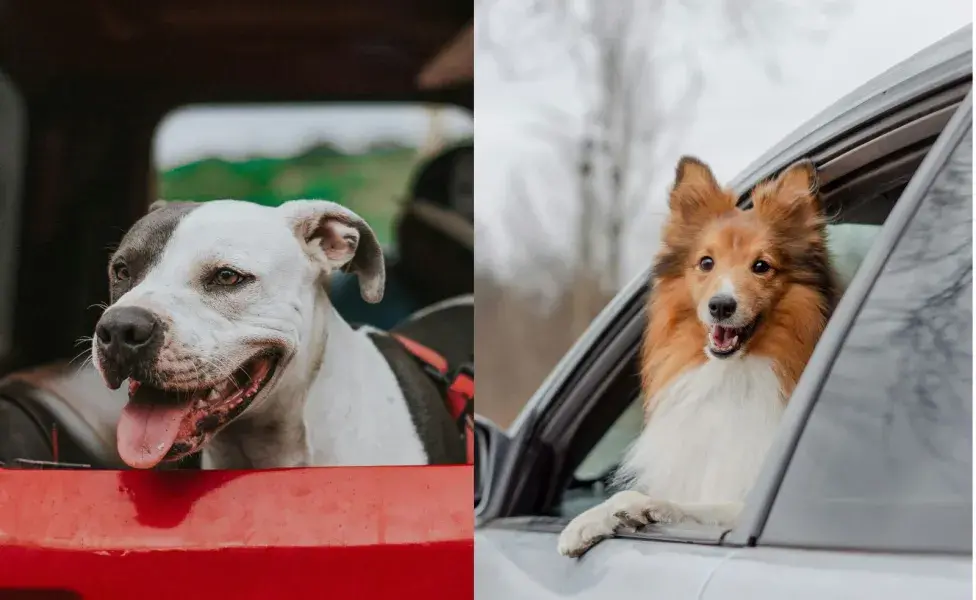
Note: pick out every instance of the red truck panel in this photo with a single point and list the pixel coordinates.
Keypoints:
(403, 532)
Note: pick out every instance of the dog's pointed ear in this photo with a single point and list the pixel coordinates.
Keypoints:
(337, 238)
(798, 182)
(694, 172)
(696, 194)
(792, 197)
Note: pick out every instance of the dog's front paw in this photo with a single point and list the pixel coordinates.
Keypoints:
(584, 531)
(627, 510)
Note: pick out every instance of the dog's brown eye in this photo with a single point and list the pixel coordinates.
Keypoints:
(760, 266)
(706, 263)
(227, 277)
(120, 271)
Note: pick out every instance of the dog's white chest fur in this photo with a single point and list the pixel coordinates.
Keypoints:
(706, 440)
(355, 412)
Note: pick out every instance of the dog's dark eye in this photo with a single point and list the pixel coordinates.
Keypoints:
(706, 263)
(760, 267)
(227, 277)
(120, 272)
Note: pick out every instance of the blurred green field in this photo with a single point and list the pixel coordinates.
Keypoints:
(372, 183)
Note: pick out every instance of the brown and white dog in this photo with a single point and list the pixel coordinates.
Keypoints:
(739, 300)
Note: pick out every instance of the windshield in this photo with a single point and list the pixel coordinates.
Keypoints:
(362, 156)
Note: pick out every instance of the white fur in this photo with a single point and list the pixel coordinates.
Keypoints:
(356, 412)
(709, 433)
(704, 314)
(698, 455)
(727, 287)
(334, 399)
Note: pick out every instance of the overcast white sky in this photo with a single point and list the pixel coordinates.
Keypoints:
(740, 115)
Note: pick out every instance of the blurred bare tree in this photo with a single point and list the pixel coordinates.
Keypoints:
(620, 52)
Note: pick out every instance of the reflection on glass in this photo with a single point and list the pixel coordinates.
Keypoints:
(892, 426)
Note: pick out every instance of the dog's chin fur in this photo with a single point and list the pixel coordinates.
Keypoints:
(184, 446)
(251, 407)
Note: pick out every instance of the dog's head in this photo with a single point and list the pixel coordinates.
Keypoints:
(741, 264)
(208, 302)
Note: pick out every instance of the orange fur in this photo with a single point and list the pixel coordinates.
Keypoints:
(786, 229)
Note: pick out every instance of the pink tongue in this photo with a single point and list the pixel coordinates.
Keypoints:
(147, 431)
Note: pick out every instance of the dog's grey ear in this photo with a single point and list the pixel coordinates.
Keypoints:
(338, 238)
(161, 203)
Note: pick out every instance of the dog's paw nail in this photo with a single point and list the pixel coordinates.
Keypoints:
(575, 541)
(574, 550)
(658, 514)
(633, 521)
(567, 548)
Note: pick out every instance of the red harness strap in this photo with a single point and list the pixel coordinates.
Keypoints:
(460, 390)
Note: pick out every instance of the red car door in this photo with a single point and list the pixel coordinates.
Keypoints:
(372, 532)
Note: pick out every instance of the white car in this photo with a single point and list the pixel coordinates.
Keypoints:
(867, 492)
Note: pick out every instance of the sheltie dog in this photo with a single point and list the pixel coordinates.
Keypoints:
(739, 300)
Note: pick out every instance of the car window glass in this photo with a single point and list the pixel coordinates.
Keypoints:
(885, 460)
(609, 451)
(361, 155)
(848, 244)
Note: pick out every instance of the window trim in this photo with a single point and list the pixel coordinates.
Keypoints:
(759, 503)
(844, 154)
(583, 374)
(945, 64)
(684, 533)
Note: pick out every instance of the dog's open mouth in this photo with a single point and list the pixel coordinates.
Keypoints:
(725, 341)
(159, 424)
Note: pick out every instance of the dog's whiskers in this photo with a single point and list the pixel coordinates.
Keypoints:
(87, 360)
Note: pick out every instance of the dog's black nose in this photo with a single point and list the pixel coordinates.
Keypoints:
(721, 307)
(126, 331)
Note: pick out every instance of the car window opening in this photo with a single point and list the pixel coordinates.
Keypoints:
(858, 204)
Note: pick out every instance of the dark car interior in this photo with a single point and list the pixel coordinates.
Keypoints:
(84, 85)
(580, 437)
(433, 257)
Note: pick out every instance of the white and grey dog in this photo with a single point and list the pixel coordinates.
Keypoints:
(220, 321)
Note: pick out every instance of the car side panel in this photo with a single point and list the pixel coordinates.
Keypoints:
(342, 532)
(511, 564)
(768, 573)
